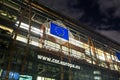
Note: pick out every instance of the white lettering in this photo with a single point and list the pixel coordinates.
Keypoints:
(58, 62)
(49, 59)
(44, 58)
(40, 57)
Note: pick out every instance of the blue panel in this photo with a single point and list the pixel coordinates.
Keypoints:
(59, 31)
(118, 55)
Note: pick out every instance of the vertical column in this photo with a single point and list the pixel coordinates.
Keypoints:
(28, 39)
(42, 36)
(69, 59)
(13, 45)
(61, 67)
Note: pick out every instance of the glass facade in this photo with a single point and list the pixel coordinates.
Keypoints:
(28, 50)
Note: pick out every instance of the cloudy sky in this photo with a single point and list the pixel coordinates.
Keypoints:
(101, 15)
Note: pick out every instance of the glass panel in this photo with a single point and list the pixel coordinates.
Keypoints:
(100, 54)
(21, 38)
(65, 50)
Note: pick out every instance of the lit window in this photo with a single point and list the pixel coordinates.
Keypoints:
(44, 78)
(96, 72)
(33, 29)
(65, 50)
(76, 42)
(108, 57)
(51, 45)
(35, 43)
(97, 78)
(6, 28)
(21, 38)
(87, 49)
(100, 54)
(116, 67)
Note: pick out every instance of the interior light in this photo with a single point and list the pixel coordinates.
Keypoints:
(22, 39)
(35, 43)
(26, 27)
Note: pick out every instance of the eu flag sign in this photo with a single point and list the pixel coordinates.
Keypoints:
(59, 31)
(118, 55)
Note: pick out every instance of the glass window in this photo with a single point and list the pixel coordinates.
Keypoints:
(96, 72)
(76, 42)
(116, 67)
(26, 27)
(97, 78)
(44, 78)
(87, 49)
(100, 54)
(108, 56)
(21, 38)
(65, 50)
(52, 46)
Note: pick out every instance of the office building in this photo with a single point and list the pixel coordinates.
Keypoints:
(38, 43)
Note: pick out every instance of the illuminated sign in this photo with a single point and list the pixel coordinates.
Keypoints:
(25, 77)
(118, 55)
(59, 31)
(58, 62)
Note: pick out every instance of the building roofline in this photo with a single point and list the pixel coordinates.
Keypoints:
(75, 24)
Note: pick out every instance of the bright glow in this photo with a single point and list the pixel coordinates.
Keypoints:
(44, 78)
(100, 54)
(76, 42)
(35, 43)
(33, 29)
(22, 39)
(65, 50)
(97, 77)
(6, 28)
(96, 72)
(4, 14)
(25, 77)
(116, 67)
(39, 78)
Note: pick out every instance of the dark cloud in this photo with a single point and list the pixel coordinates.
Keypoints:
(98, 13)
(114, 35)
(110, 5)
(101, 15)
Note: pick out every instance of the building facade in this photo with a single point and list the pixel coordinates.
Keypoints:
(37, 43)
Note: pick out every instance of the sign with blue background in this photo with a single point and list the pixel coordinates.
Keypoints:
(118, 55)
(59, 31)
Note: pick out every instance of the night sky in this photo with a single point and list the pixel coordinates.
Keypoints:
(101, 15)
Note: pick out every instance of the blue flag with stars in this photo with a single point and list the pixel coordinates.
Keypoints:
(118, 55)
(59, 31)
